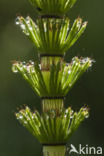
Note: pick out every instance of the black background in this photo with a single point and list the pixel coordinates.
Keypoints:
(14, 91)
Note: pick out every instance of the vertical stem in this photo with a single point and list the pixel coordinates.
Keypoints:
(47, 61)
(52, 104)
(54, 150)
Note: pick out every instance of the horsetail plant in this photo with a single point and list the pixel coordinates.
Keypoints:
(54, 82)
(52, 78)
(51, 127)
(52, 36)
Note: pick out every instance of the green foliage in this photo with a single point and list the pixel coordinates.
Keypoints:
(50, 127)
(52, 79)
(52, 36)
(53, 7)
(55, 82)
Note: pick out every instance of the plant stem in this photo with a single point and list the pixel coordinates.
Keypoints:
(54, 150)
(52, 104)
(47, 61)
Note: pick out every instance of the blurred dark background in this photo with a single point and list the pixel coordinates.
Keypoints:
(14, 91)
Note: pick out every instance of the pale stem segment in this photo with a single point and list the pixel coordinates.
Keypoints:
(54, 150)
(52, 104)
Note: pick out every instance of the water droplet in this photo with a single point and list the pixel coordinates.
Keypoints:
(24, 66)
(40, 66)
(45, 29)
(27, 20)
(78, 24)
(26, 33)
(25, 122)
(83, 61)
(69, 71)
(66, 111)
(17, 118)
(23, 62)
(17, 21)
(47, 117)
(36, 27)
(71, 117)
(31, 62)
(20, 117)
(28, 118)
(71, 114)
(23, 26)
(28, 68)
(14, 69)
(65, 116)
(70, 84)
(30, 28)
(87, 116)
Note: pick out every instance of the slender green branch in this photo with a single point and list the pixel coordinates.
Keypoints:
(52, 36)
(50, 127)
(55, 82)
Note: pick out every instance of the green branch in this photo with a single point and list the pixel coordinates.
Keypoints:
(50, 128)
(53, 7)
(52, 36)
(55, 82)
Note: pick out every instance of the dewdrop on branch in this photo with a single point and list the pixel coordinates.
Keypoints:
(52, 36)
(52, 78)
(51, 127)
(55, 82)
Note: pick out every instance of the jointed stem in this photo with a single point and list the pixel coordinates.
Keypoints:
(54, 150)
(48, 61)
(52, 104)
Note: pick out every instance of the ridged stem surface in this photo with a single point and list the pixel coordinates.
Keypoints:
(52, 104)
(47, 61)
(54, 150)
